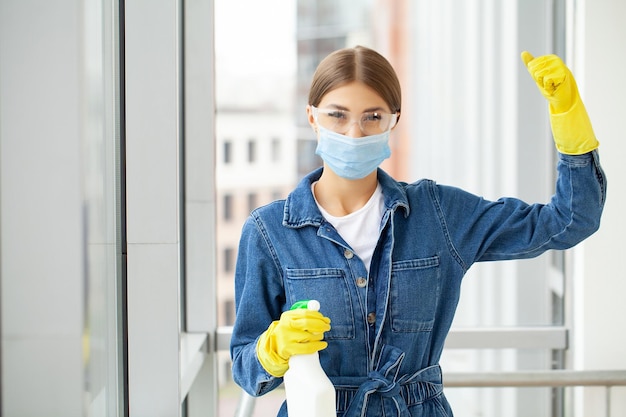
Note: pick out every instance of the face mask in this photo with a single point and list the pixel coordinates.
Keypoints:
(352, 158)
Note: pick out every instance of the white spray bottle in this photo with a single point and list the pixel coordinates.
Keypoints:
(308, 390)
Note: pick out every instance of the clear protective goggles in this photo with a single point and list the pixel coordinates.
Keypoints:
(340, 121)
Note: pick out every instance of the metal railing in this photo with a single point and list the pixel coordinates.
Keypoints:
(552, 378)
(556, 378)
(551, 338)
(543, 378)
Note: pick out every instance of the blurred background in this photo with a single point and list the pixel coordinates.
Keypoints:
(136, 137)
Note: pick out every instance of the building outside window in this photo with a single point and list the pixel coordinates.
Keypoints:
(463, 145)
(252, 201)
(276, 150)
(251, 151)
(228, 151)
(227, 207)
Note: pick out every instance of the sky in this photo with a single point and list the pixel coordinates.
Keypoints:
(255, 34)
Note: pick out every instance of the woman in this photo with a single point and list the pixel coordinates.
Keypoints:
(384, 258)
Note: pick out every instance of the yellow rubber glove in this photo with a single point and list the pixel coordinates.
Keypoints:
(298, 332)
(571, 127)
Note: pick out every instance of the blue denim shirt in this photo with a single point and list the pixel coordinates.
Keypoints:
(388, 329)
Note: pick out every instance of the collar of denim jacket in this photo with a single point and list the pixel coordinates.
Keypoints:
(301, 210)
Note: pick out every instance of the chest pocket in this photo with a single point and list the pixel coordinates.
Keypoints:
(414, 294)
(329, 286)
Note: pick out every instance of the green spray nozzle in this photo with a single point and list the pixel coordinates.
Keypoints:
(306, 304)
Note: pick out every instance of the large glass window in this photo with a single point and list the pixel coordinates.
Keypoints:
(461, 75)
(103, 340)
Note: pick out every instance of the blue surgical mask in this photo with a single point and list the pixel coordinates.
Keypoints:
(352, 158)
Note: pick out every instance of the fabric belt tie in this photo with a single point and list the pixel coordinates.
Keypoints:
(383, 389)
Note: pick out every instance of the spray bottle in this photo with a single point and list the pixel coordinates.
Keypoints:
(308, 390)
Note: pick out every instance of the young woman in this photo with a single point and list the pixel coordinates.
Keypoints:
(384, 258)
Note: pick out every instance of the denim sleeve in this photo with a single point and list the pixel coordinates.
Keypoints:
(509, 228)
(258, 301)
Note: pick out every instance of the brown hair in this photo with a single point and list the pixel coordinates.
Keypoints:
(356, 64)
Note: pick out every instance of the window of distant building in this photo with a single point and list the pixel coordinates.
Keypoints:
(229, 314)
(228, 206)
(276, 150)
(229, 258)
(277, 195)
(251, 151)
(252, 201)
(228, 151)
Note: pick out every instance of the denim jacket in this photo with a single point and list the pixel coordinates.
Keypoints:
(388, 329)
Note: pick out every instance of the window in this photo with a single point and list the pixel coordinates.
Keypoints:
(277, 195)
(251, 151)
(227, 207)
(229, 260)
(276, 150)
(229, 313)
(228, 149)
(494, 293)
(252, 201)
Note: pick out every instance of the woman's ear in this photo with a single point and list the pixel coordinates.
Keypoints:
(311, 118)
(397, 120)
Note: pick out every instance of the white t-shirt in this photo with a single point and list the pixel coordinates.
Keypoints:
(361, 228)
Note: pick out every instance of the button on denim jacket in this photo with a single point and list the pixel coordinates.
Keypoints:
(430, 236)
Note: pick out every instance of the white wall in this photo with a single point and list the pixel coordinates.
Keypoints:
(170, 207)
(41, 218)
(600, 341)
(152, 40)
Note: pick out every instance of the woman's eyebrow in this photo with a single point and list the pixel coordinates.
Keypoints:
(336, 106)
(373, 109)
(340, 107)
